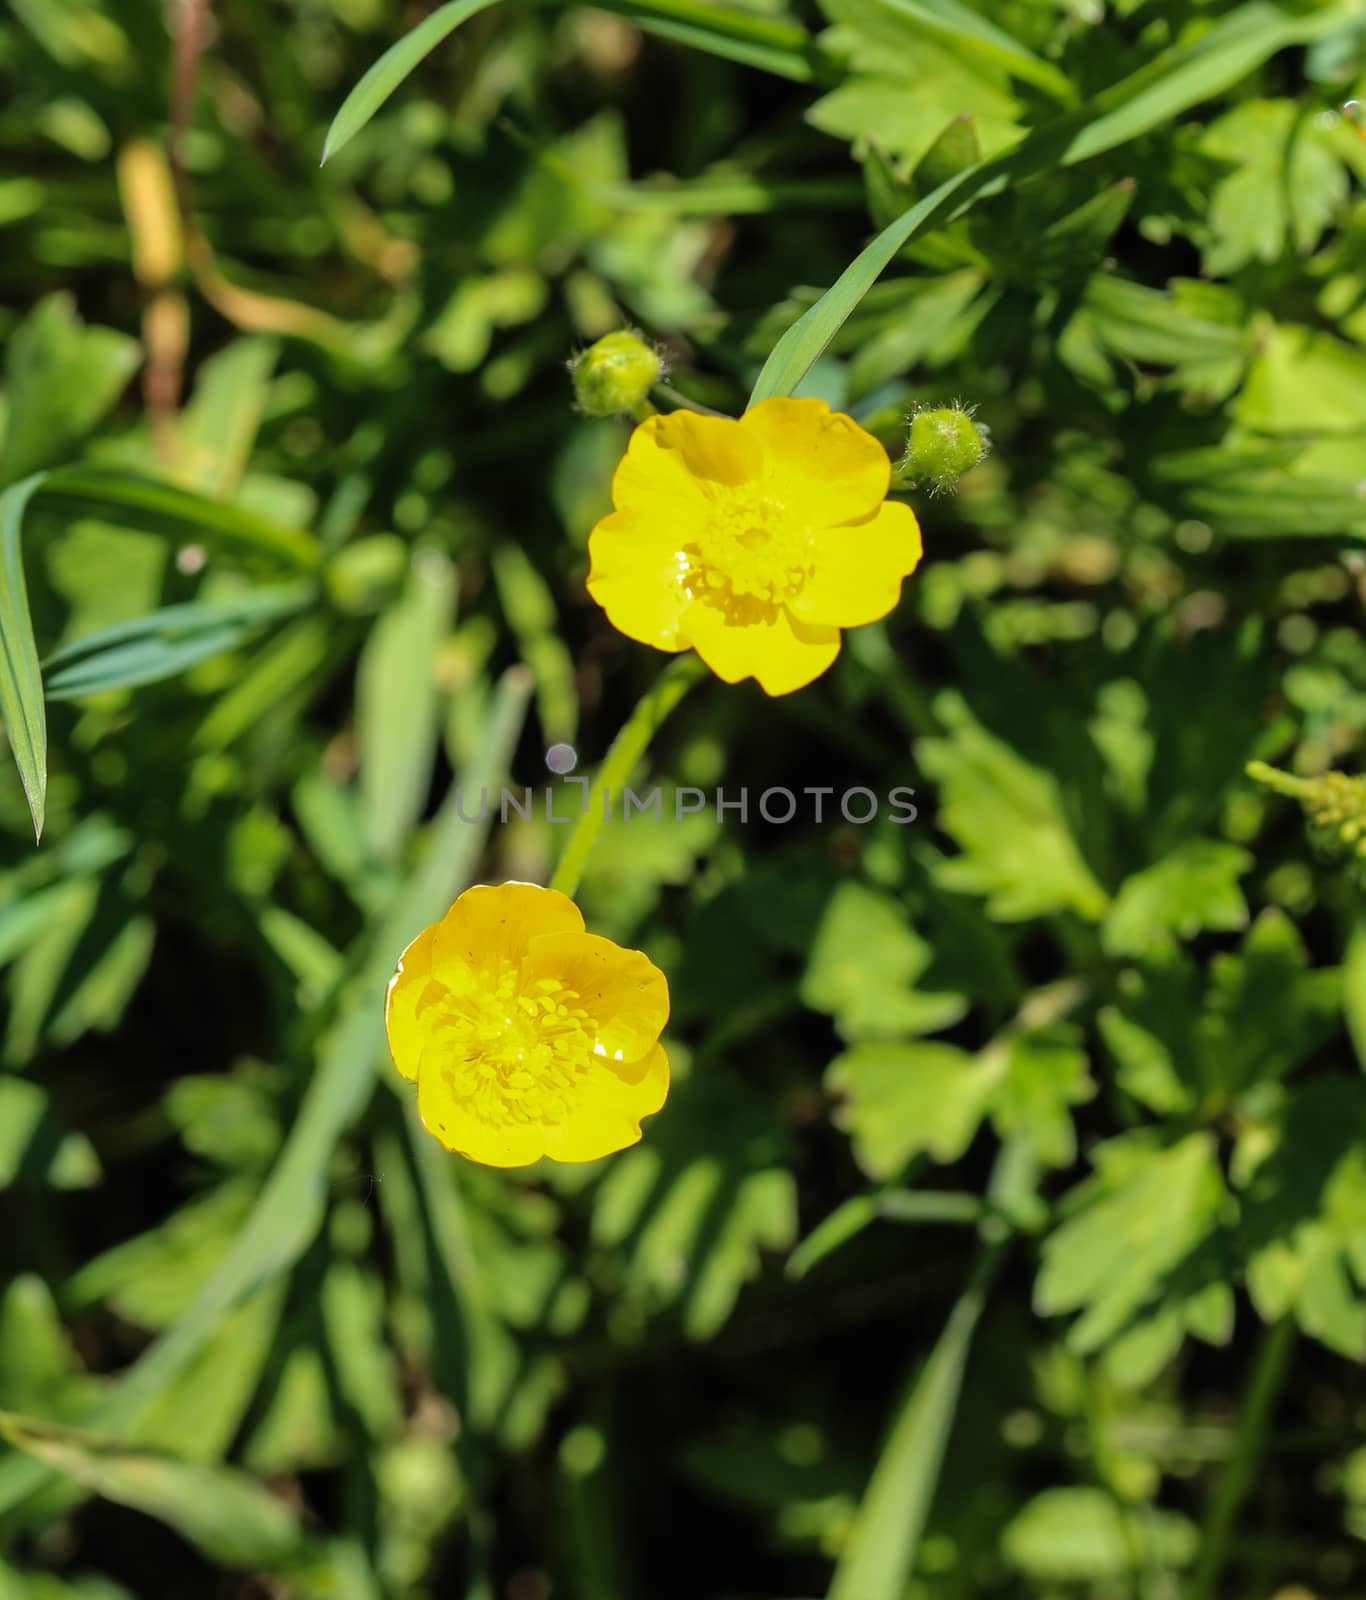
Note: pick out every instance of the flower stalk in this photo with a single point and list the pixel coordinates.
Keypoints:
(627, 749)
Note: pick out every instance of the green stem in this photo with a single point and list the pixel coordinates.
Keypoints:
(880, 1556)
(627, 749)
(1273, 778)
(1268, 1373)
(681, 401)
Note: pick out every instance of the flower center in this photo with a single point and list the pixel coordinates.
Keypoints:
(508, 1052)
(749, 556)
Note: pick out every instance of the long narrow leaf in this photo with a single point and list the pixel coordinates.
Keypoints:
(398, 705)
(878, 1561)
(769, 43)
(290, 664)
(763, 58)
(143, 661)
(392, 68)
(165, 642)
(150, 506)
(187, 619)
(21, 681)
(801, 346)
(776, 32)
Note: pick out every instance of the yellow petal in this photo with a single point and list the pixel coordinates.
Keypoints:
(637, 576)
(673, 461)
(407, 1038)
(609, 1118)
(821, 464)
(496, 1144)
(491, 925)
(782, 653)
(653, 477)
(644, 1083)
(625, 995)
(858, 569)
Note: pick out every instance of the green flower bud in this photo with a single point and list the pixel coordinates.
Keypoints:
(943, 445)
(615, 375)
(1334, 808)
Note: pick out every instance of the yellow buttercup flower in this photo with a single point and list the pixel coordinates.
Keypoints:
(527, 1036)
(753, 541)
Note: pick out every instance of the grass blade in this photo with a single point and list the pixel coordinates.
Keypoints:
(398, 704)
(763, 58)
(21, 680)
(782, 48)
(184, 621)
(143, 661)
(802, 345)
(392, 68)
(878, 1561)
(284, 671)
(879, 1558)
(770, 44)
(150, 506)
(529, 607)
(1258, 1409)
(165, 642)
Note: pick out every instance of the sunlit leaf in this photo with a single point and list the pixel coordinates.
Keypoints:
(21, 685)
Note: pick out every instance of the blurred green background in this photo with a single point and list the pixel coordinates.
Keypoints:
(1005, 1231)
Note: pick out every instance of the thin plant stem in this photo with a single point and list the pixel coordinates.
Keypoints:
(1268, 1373)
(684, 402)
(628, 747)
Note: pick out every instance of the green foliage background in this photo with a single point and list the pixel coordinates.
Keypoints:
(1005, 1231)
